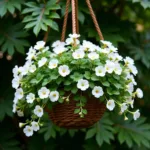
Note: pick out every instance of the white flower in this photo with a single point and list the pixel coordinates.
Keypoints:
(15, 71)
(97, 91)
(100, 71)
(114, 57)
(53, 63)
(31, 54)
(78, 54)
(130, 101)
(20, 113)
(128, 61)
(39, 45)
(43, 92)
(15, 101)
(38, 111)
(21, 124)
(42, 62)
(45, 49)
(32, 68)
(69, 41)
(105, 51)
(64, 70)
(54, 96)
(58, 43)
(139, 93)
(118, 69)
(35, 126)
(24, 70)
(131, 77)
(28, 130)
(109, 66)
(83, 84)
(59, 49)
(14, 108)
(30, 98)
(72, 40)
(136, 115)
(93, 55)
(74, 35)
(112, 48)
(133, 69)
(123, 107)
(88, 46)
(19, 93)
(107, 43)
(118, 57)
(110, 105)
(52, 55)
(15, 82)
(130, 87)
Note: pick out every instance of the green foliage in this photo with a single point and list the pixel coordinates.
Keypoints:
(144, 3)
(118, 21)
(10, 6)
(49, 131)
(12, 37)
(133, 132)
(8, 141)
(5, 108)
(103, 131)
(40, 16)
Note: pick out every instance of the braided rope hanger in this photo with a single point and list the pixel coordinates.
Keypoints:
(75, 24)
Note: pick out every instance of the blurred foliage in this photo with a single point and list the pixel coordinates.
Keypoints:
(125, 23)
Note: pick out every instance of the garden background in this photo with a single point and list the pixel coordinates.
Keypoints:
(126, 23)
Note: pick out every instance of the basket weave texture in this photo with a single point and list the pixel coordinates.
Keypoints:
(63, 114)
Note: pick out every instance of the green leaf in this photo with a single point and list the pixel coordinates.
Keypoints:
(39, 16)
(106, 83)
(84, 111)
(131, 132)
(102, 130)
(87, 75)
(74, 89)
(12, 37)
(54, 15)
(5, 108)
(8, 140)
(76, 76)
(10, 6)
(49, 131)
(90, 133)
(76, 111)
(94, 77)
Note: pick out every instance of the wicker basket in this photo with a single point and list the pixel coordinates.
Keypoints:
(63, 114)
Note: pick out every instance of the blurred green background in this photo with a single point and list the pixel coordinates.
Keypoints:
(126, 23)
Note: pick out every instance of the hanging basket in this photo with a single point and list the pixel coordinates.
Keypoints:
(63, 114)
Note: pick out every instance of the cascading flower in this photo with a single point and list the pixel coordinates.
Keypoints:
(73, 69)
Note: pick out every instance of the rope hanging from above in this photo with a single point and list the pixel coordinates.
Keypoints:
(94, 20)
(65, 21)
(75, 24)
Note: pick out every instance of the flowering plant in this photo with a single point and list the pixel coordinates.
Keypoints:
(73, 68)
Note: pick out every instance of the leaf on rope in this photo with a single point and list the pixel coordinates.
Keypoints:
(103, 131)
(10, 5)
(131, 132)
(12, 37)
(40, 16)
